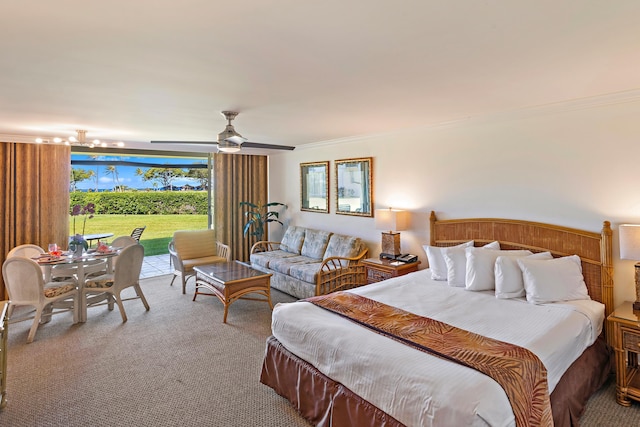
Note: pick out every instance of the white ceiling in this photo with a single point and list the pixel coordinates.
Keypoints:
(299, 71)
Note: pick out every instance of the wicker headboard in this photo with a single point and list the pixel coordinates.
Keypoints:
(594, 249)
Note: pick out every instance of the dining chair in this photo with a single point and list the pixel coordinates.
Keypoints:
(121, 242)
(26, 251)
(29, 250)
(137, 233)
(26, 287)
(126, 274)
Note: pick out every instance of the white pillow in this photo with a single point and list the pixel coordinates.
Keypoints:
(480, 266)
(456, 262)
(436, 261)
(508, 275)
(493, 245)
(558, 279)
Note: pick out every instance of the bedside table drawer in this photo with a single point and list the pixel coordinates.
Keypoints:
(631, 340)
(377, 275)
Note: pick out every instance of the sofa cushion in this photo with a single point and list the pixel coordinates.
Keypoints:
(292, 240)
(342, 246)
(305, 272)
(315, 243)
(284, 265)
(195, 243)
(264, 259)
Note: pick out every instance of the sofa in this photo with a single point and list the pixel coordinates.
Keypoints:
(190, 248)
(308, 262)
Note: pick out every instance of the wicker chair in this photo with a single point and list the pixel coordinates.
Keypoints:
(26, 287)
(190, 248)
(137, 233)
(126, 274)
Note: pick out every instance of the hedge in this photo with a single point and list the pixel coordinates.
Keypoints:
(143, 202)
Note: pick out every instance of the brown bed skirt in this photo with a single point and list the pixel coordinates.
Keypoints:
(325, 402)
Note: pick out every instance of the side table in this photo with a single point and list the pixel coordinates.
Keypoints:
(381, 269)
(626, 343)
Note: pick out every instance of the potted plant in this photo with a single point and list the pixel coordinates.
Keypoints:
(77, 243)
(258, 215)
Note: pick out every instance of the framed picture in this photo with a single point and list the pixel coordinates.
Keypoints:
(314, 187)
(354, 187)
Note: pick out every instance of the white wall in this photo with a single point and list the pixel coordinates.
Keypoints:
(574, 164)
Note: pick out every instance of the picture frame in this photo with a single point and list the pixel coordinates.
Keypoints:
(314, 187)
(354, 186)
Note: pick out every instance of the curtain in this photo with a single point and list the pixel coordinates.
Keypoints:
(34, 196)
(237, 178)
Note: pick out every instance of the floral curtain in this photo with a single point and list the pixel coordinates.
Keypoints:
(237, 178)
(34, 196)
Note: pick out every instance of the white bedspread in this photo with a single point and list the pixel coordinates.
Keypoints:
(422, 390)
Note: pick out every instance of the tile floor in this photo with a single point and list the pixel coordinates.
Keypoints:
(156, 265)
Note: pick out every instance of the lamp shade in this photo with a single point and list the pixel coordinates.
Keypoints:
(629, 241)
(391, 219)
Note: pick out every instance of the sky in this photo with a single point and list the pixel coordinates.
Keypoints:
(127, 174)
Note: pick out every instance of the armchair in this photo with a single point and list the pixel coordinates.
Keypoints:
(190, 248)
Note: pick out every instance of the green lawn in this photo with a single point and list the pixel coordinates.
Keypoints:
(156, 236)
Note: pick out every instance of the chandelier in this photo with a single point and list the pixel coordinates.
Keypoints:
(79, 140)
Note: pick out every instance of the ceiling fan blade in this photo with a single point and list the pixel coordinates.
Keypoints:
(266, 146)
(185, 142)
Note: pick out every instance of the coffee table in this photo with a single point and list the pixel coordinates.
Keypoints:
(230, 281)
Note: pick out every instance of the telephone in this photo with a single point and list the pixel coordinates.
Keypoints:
(407, 258)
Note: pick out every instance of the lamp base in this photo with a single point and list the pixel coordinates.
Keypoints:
(391, 244)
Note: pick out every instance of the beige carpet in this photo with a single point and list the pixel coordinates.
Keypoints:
(176, 365)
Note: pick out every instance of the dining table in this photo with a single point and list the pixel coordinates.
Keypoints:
(81, 266)
(97, 236)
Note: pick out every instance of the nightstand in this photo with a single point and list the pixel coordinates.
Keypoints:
(626, 343)
(381, 269)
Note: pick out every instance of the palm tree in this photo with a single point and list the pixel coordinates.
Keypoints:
(96, 176)
(113, 171)
(78, 175)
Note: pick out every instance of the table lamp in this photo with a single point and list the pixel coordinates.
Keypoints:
(393, 220)
(630, 249)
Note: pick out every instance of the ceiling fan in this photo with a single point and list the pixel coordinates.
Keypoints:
(230, 141)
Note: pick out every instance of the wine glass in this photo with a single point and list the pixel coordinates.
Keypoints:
(54, 250)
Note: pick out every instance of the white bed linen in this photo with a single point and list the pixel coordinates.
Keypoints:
(423, 390)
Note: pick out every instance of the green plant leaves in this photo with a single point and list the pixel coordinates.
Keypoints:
(258, 215)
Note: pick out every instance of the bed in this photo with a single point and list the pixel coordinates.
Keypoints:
(336, 372)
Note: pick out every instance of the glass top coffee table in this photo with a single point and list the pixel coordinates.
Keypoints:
(230, 281)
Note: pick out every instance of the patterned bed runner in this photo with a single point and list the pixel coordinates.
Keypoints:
(518, 371)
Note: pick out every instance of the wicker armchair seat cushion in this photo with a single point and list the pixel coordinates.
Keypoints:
(192, 244)
(100, 282)
(263, 259)
(190, 263)
(284, 265)
(54, 291)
